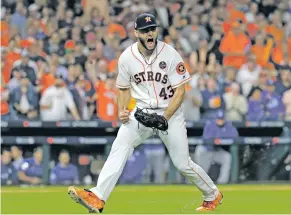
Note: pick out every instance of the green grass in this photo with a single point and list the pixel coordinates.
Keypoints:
(239, 199)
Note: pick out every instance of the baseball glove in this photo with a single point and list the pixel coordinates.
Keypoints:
(151, 120)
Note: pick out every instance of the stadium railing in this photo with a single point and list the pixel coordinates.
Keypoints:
(103, 133)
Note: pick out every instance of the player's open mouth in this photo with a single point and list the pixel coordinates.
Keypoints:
(150, 42)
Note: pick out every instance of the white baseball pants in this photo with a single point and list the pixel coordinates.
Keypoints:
(132, 134)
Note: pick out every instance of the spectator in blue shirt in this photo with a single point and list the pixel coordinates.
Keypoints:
(64, 172)
(273, 105)
(24, 99)
(255, 106)
(18, 19)
(212, 100)
(31, 169)
(206, 155)
(8, 172)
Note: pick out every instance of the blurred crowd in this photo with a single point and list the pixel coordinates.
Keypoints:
(59, 58)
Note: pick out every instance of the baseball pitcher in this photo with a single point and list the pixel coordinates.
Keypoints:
(154, 74)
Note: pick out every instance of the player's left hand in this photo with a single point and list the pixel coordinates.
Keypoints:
(151, 120)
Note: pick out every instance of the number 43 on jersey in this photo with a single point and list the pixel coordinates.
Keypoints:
(166, 92)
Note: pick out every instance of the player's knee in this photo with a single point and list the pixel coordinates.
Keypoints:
(182, 168)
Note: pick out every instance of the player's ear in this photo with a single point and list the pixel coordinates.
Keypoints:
(135, 33)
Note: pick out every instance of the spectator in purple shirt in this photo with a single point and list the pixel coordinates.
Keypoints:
(273, 105)
(255, 106)
(64, 172)
(212, 100)
(31, 169)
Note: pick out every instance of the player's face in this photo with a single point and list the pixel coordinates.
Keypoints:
(148, 37)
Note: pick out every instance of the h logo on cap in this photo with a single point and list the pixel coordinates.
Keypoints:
(148, 19)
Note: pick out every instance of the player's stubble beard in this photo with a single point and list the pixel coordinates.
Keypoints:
(147, 51)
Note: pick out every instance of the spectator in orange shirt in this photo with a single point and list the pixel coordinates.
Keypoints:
(4, 103)
(276, 28)
(237, 16)
(116, 29)
(107, 109)
(277, 52)
(13, 54)
(285, 62)
(230, 16)
(234, 46)
(5, 35)
(261, 50)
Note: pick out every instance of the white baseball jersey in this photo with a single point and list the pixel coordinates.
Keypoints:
(151, 85)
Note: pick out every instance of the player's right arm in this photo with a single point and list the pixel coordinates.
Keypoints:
(123, 98)
(123, 85)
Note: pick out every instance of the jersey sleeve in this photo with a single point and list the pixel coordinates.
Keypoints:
(178, 73)
(123, 77)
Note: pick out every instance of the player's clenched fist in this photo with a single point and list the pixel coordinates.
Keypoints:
(124, 116)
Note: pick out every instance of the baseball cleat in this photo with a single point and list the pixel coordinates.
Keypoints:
(211, 205)
(86, 198)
